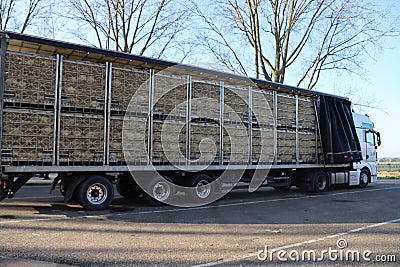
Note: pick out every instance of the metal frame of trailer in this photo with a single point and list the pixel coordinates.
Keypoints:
(28, 44)
(73, 125)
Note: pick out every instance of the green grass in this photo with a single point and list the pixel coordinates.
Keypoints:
(386, 175)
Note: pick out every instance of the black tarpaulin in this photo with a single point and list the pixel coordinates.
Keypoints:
(338, 133)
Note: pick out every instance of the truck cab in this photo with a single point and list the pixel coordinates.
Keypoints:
(366, 170)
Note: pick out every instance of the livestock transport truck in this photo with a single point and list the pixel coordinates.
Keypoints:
(95, 117)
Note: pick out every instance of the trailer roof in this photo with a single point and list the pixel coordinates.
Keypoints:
(47, 47)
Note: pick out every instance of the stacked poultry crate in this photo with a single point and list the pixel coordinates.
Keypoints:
(296, 133)
(169, 123)
(129, 109)
(82, 115)
(96, 103)
(262, 126)
(28, 118)
(235, 121)
(205, 127)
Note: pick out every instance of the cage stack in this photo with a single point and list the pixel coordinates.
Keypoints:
(235, 121)
(129, 109)
(82, 116)
(262, 126)
(28, 119)
(170, 115)
(205, 126)
(309, 147)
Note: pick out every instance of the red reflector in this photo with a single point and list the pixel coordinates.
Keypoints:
(348, 156)
(1, 182)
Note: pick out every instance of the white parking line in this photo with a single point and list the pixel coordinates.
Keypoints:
(202, 207)
(230, 260)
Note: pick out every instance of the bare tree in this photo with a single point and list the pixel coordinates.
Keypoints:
(130, 25)
(19, 15)
(319, 35)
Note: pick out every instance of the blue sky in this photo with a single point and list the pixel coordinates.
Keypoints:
(381, 88)
(384, 86)
(380, 85)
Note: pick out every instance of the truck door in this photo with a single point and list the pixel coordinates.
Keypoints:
(370, 151)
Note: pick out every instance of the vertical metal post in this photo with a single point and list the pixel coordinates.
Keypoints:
(250, 124)
(55, 124)
(221, 122)
(107, 114)
(297, 131)
(150, 119)
(57, 110)
(275, 107)
(318, 133)
(188, 116)
(3, 51)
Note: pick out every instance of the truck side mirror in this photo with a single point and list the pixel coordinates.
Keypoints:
(378, 137)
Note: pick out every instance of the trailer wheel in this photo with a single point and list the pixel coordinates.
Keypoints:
(320, 181)
(204, 189)
(127, 187)
(96, 193)
(364, 178)
(159, 191)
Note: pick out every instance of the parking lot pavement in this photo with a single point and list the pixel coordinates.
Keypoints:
(14, 262)
(229, 232)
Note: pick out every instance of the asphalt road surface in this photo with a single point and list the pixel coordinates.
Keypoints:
(343, 226)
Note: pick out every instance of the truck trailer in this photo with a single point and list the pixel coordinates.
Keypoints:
(94, 118)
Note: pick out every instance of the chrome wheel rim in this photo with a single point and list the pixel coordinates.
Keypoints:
(364, 178)
(321, 182)
(203, 189)
(97, 194)
(161, 191)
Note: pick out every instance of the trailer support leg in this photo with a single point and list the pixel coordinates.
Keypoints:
(17, 185)
(11, 187)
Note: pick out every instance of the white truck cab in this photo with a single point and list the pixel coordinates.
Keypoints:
(366, 170)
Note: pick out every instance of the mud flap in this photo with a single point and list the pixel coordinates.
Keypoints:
(3, 193)
(72, 186)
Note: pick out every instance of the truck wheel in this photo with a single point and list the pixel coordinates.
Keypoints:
(96, 193)
(127, 187)
(364, 178)
(204, 189)
(320, 181)
(159, 191)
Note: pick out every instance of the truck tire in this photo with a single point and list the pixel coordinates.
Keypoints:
(204, 189)
(320, 181)
(159, 191)
(364, 178)
(95, 193)
(127, 187)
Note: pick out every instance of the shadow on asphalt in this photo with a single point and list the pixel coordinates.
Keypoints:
(237, 207)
